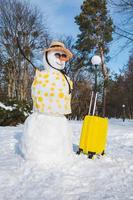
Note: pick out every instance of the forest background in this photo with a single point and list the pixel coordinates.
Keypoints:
(97, 33)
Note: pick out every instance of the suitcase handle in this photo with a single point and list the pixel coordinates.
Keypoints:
(92, 94)
(90, 106)
(94, 108)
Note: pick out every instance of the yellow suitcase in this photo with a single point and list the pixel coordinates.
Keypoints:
(94, 134)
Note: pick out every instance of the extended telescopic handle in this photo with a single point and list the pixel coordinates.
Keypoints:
(92, 94)
(94, 108)
(95, 101)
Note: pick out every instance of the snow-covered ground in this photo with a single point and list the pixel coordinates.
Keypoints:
(110, 177)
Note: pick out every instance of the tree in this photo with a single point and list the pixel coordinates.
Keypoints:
(120, 91)
(116, 96)
(19, 19)
(96, 29)
(125, 28)
(80, 99)
(129, 86)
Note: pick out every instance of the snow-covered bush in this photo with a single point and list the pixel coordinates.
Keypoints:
(14, 112)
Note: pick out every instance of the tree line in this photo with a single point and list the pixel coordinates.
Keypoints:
(22, 20)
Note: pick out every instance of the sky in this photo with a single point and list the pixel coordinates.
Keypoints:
(60, 21)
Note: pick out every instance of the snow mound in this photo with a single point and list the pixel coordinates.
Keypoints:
(47, 139)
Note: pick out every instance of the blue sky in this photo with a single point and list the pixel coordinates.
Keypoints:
(60, 20)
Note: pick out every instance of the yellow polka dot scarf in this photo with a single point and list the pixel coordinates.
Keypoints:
(50, 92)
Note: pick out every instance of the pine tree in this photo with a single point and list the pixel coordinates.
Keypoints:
(96, 28)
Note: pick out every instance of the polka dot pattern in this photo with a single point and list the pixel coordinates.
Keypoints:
(50, 93)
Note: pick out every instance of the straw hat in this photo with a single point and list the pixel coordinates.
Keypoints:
(59, 46)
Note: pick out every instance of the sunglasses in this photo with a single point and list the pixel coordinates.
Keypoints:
(58, 55)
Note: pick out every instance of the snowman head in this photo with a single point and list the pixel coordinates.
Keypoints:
(56, 56)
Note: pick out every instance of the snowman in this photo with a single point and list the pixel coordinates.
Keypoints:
(47, 136)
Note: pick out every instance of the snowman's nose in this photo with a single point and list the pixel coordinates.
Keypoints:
(63, 59)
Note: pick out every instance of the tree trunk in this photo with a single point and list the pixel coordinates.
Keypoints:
(11, 84)
(104, 99)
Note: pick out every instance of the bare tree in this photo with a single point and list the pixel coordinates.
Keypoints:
(125, 29)
(19, 19)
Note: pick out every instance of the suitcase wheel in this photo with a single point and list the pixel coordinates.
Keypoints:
(91, 154)
(79, 151)
(103, 153)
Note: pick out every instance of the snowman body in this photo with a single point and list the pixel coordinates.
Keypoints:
(47, 136)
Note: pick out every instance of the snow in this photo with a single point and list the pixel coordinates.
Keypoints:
(47, 139)
(108, 178)
(6, 107)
